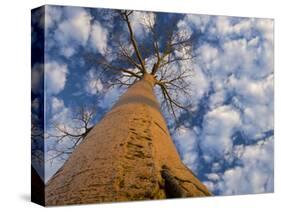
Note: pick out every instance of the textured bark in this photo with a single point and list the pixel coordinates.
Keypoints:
(129, 155)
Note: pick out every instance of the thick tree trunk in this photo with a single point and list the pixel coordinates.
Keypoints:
(129, 155)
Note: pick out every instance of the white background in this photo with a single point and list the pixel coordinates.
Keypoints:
(15, 104)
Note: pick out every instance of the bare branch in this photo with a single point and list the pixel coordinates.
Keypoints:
(170, 102)
(168, 55)
(69, 137)
(115, 68)
(175, 42)
(124, 53)
(125, 15)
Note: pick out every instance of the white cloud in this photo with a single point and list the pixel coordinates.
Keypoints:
(184, 28)
(240, 68)
(199, 84)
(265, 118)
(148, 18)
(110, 97)
(56, 104)
(37, 77)
(208, 54)
(266, 27)
(93, 84)
(55, 77)
(139, 21)
(61, 116)
(225, 26)
(52, 16)
(199, 21)
(190, 22)
(245, 47)
(256, 174)
(99, 38)
(76, 27)
(210, 185)
(67, 28)
(237, 56)
(186, 142)
(215, 167)
(217, 99)
(218, 127)
(256, 102)
(67, 51)
(213, 176)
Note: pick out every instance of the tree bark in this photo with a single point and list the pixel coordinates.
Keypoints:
(128, 155)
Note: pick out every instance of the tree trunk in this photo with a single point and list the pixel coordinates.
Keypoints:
(129, 155)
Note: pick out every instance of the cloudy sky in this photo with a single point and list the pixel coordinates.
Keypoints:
(227, 136)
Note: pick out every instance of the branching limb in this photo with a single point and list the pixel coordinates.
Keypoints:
(124, 53)
(67, 138)
(168, 54)
(125, 16)
(169, 100)
(108, 66)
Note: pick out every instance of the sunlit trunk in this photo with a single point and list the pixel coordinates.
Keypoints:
(129, 155)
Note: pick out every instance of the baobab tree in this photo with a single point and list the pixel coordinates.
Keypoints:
(129, 154)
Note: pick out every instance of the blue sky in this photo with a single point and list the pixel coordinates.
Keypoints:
(227, 136)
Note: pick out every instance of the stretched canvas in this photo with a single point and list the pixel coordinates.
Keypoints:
(137, 105)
